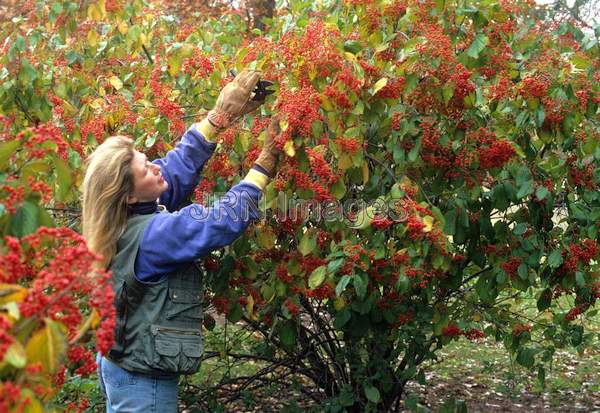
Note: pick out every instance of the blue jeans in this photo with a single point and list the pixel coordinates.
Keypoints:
(127, 392)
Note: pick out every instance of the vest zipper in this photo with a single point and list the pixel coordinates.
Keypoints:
(156, 330)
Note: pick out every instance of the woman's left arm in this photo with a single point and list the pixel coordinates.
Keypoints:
(182, 165)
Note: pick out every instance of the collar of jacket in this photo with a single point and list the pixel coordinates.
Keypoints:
(143, 208)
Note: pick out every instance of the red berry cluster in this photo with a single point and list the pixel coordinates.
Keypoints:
(58, 269)
(323, 292)
(453, 330)
(82, 358)
(292, 307)
(6, 339)
(316, 49)
(581, 252)
(534, 86)
(301, 109)
(393, 89)
(170, 109)
(462, 82)
(43, 139)
(574, 312)
(11, 399)
(339, 97)
(511, 266)
(11, 197)
(320, 167)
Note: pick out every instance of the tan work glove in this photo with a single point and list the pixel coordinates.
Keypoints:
(268, 157)
(234, 100)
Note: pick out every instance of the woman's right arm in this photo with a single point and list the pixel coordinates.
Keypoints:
(173, 239)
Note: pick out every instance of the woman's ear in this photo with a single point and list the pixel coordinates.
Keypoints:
(131, 199)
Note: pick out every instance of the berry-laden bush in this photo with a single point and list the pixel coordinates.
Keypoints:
(439, 160)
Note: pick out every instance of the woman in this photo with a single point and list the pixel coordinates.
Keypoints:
(152, 248)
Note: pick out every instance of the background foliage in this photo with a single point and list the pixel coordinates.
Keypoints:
(475, 123)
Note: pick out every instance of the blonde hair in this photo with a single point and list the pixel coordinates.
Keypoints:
(107, 183)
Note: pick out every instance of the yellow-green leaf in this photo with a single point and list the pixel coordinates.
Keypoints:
(33, 405)
(345, 161)
(47, 346)
(317, 276)
(174, 64)
(115, 82)
(12, 293)
(380, 84)
(365, 172)
(265, 237)
(15, 355)
(289, 149)
(363, 218)
(428, 221)
(6, 151)
(92, 38)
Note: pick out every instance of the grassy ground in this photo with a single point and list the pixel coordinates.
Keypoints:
(479, 373)
(483, 375)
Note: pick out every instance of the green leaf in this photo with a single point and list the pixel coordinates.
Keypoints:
(342, 318)
(372, 394)
(555, 258)
(338, 190)
(64, 179)
(541, 376)
(542, 192)
(525, 356)
(26, 220)
(346, 397)
(545, 300)
(235, 314)
(479, 43)
(447, 92)
(352, 46)
(342, 284)
(360, 285)
(525, 189)
(523, 271)
(308, 243)
(579, 278)
(317, 276)
(403, 283)
(450, 217)
(520, 228)
(334, 265)
(363, 218)
(288, 334)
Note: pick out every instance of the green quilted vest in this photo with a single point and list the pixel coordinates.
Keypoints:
(159, 325)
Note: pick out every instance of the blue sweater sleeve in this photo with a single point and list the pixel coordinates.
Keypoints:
(172, 239)
(182, 165)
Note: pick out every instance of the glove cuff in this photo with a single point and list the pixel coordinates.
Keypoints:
(267, 162)
(207, 129)
(257, 178)
(262, 170)
(219, 119)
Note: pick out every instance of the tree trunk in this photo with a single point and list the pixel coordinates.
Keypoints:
(260, 9)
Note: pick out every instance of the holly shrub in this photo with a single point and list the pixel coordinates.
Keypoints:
(439, 161)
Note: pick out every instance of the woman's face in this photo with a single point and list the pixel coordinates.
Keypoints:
(148, 182)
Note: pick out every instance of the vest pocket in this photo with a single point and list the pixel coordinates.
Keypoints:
(177, 350)
(185, 303)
